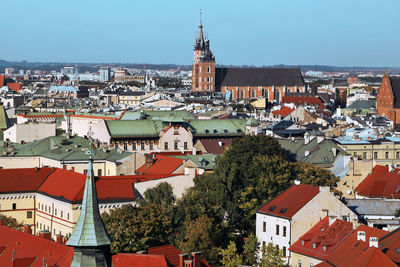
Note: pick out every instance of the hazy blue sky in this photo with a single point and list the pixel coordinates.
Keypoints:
(258, 32)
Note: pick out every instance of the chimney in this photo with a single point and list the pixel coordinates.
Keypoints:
(27, 229)
(361, 235)
(182, 258)
(196, 258)
(60, 239)
(373, 241)
(45, 234)
(188, 263)
(148, 160)
(297, 182)
(194, 151)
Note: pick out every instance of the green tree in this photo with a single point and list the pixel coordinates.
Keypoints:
(250, 250)
(10, 222)
(162, 195)
(136, 228)
(230, 257)
(197, 238)
(397, 214)
(271, 256)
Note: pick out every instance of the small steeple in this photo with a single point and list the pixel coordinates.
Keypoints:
(90, 238)
(200, 38)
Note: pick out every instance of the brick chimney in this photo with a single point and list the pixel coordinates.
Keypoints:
(148, 161)
(188, 263)
(182, 258)
(27, 229)
(45, 234)
(361, 235)
(196, 258)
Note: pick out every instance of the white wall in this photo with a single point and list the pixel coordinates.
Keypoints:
(29, 132)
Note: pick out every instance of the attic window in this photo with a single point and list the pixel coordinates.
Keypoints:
(207, 131)
(324, 248)
(302, 242)
(314, 245)
(325, 159)
(356, 244)
(215, 131)
(272, 208)
(398, 250)
(283, 210)
(225, 130)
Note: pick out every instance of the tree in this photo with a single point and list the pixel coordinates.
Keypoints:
(271, 256)
(137, 228)
(397, 214)
(230, 258)
(197, 238)
(10, 222)
(250, 250)
(162, 195)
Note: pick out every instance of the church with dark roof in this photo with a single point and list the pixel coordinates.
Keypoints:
(241, 83)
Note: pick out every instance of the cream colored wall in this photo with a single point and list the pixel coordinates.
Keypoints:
(19, 162)
(358, 170)
(81, 167)
(24, 202)
(169, 136)
(313, 212)
(80, 126)
(305, 261)
(29, 132)
(367, 150)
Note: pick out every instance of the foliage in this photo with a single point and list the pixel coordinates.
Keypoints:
(397, 214)
(136, 228)
(230, 257)
(10, 221)
(162, 195)
(271, 256)
(169, 82)
(250, 250)
(197, 238)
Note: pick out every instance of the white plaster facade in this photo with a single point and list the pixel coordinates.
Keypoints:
(29, 132)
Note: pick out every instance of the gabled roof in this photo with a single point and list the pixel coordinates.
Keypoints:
(23, 180)
(31, 249)
(325, 237)
(381, 183)
(204, 161)
(161, 165)
(290, 201)
(135, 128)
(353, 252)
(170, 252)
(258, 77)
(395, 84)
(363, 104)
(16, 87)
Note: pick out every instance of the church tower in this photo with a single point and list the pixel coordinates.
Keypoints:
(203, 70)
(90, 239)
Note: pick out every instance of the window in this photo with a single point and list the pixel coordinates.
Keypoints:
(284, 230)
(264, 226)
(133, 146)
(142, 146)
(397, 155)
(99, 172)
(364, 155)
(29, 214)
(277, 230)
(151, 145)
(302, 242)
(375, 155)
(208, 69)
(14, 206)
(67, 216)
(355, 154)
(55, 212)
(299, 263)
(314, 245)
(386, 155)
(176, 132)
(125, 145)
(264, 244)
(176, 145)
(116, 145)
(284, 251)
(61, 214)
(165, 145)
(185, 145)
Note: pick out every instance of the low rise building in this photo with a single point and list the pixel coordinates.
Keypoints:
(29, 132)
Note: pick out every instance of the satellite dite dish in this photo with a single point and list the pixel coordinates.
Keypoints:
(296, 182)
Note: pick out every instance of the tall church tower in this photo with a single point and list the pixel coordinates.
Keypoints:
(203, 70)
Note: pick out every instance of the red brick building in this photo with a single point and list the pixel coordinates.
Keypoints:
(388, 99)
(241, 83)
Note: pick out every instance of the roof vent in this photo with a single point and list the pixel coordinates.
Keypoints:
(361, 235)
(283, 210)
(272, 208)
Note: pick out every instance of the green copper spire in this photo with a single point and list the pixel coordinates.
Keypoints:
(89, 231)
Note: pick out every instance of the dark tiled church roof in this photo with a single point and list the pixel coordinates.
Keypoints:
(395, 83)
(258, 77)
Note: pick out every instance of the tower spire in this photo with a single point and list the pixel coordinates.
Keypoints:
(200, 38)
(90, 238)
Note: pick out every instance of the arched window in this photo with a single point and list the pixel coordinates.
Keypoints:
(208, 69)
(277, 95)
(266, 94)
(242, 94)
(253, 93)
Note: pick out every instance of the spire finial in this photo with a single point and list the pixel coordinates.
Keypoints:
(201, 21)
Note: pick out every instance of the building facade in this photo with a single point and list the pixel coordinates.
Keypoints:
(388, 99)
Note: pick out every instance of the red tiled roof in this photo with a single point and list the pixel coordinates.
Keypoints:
(14, 86)
(390, 243)
(138, 260)
(161, 165)
(325, 236)
(284, 111)
(41, 115)
(350, 250)
(290, 201)
(213, 145)
(93, 117)
(30, 248)
(307, 101)
(1, 80)
(23, 180)
(170, 252)
(380, 183)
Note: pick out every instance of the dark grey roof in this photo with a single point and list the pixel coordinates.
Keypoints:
(395, 83)
(363, 104)
(373, 206)
(258, 77)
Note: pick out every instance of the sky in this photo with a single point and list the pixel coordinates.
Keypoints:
(252, 32)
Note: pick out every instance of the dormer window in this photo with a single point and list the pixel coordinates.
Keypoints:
(314, 245)
(324, 248)
(302, 242)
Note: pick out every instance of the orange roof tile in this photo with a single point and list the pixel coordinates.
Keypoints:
(1, 81)
(289, 202)
(161, 165)
(390, 243)
(123, 260)
(14, 86)
(284, 111)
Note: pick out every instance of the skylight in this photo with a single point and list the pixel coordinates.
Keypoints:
(283, 210)
(272, 208)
